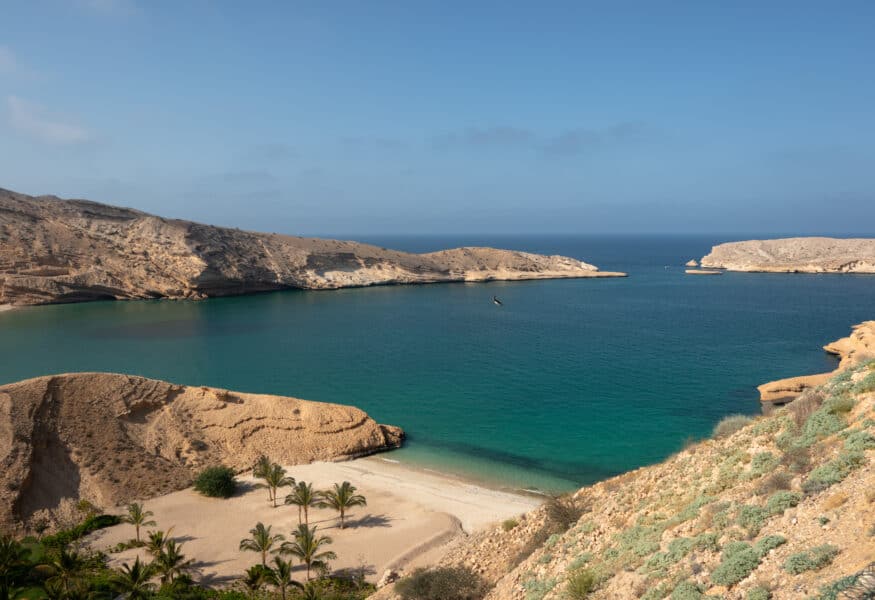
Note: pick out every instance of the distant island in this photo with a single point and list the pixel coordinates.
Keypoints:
(56, 251)
(795, 255)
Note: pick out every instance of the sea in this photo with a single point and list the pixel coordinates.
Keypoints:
(566, 383)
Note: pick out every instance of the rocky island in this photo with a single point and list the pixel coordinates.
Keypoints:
(795, 255)
(55, 251)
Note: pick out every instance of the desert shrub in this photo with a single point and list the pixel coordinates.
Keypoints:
(824, 422)
(537, 589)
(738, 561)
(687, 590)
(729, 425)
(579, 561)
(797, 459)
(66, 536)
(509, 524)
(833, 472)
(858, 441)
(781, 501)
(768, 543)
(813, 559)
(640, 540)
(442, 583)
(758, 593)
(580, 584)
(752, 518)
(804, 406)
(706, 542)
(563, 512)
(216, 482)
(865, 385)
(834, 501)
(832, 590)
(762, 463)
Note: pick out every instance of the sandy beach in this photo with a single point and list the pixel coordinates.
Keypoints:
(411, 515)
(6, 307)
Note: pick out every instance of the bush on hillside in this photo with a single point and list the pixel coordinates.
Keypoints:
(563, 512)
(758, 593)
(687, 590)
(442, 583)
(781, 501)
(509, 524)
(858, 441)
(729, 425)
(814, 559)
(805, 405)
(739, 561)
(216, 482)
(833, 472)
(580, 584)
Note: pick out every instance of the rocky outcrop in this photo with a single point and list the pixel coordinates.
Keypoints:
(852, 350)
(54, 251)
(692, 263)
(115, 438)
(795, 255)
(702, 272)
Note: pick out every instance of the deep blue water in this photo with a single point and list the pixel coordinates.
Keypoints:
(569, 382)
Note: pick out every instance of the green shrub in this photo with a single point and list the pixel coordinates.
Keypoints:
(65, 537)
(537, 589)
(706, 541)
(216, 482)
(781, 501)
(758, 593)
(509, 524)
(762, 463)
(814, 559)
(442, 583)
(752, 518)
(832, 590)
(858, 441)
(768, 543)
(729, 425)
(739, 560)
(640, 540)
(833, 472)
(819, 425)
(580, 584)
(865, 385)
(563, 512)
(580, 560)
(687, 590)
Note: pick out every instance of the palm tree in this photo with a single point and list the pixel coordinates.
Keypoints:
(132, 581)
(306, 548)
(77, 591)
(311, 592)
(274, 478)
(261, 541)
(157, 541)
(342, 497)
(138, 518)
(67, 567)
(13, 556)
(281, 576)
(262, 466)
(171, 562)
(304, 496)
(255, 577)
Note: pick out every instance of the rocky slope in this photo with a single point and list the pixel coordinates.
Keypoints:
(795, 255)
(781, 506)
(114, 438)
(852, 350)
(54, 250)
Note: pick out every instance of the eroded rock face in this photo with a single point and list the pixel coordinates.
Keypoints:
(795, 255)
(54, 250)
(116, 438)
(852, 351)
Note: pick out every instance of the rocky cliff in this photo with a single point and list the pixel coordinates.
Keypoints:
(795, 255)
(54, 250)
(115, 438)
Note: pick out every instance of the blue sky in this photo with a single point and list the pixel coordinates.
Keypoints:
(448, 117)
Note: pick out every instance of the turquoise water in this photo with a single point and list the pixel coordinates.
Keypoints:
(569, 382)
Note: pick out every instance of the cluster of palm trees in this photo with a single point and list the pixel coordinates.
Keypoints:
(273, 477)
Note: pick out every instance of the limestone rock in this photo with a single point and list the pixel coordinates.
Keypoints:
(117, 438)
(692, 263)
(54, 251)
(795, 255)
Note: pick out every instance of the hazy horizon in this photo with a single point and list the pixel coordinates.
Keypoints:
(354, 120)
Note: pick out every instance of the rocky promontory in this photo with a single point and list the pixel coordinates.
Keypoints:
(112, 438)
(54, 251)
(795, 255)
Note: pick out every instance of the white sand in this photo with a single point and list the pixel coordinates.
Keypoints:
(411, 515)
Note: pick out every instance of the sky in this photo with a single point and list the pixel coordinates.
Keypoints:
(400, 117)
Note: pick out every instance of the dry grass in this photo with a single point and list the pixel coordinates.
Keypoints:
(835, 501)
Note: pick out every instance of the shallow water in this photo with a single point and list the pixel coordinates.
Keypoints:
(569, 382)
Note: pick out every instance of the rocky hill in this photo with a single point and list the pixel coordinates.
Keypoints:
(779, 506)
(114, 438)
(795, 255)
(54, 250)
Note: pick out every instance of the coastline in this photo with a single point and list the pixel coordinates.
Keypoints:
(410, 518)
(5, 307)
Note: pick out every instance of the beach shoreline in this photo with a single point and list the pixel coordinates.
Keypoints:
(411, 516)
(5, 307)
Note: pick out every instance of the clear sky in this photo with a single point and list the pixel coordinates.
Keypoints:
(448, 117)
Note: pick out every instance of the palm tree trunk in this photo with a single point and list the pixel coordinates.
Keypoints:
(264, 558)
(342, 515)
(308, 570)
(137, 527)
(307, 516)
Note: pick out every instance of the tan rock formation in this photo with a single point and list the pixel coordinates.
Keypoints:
(852, 350)
(692, 263)
(115, 438)
(795, 255)
(54, 250)
(702, 272)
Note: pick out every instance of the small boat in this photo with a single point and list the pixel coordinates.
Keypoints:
(496, 301)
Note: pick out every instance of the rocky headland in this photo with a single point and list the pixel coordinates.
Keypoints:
(54, 251)
(114, 438)
(795, 255)
(852, 350)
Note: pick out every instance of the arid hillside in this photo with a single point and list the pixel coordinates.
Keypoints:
(54, 250)
(779, 506)
(795, 255)
(112, 438)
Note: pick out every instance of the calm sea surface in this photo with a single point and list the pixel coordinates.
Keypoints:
(569, 382)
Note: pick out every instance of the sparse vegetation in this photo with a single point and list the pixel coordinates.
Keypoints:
(687, 590)
(580, 584)
(216, 482)
(342, 498)
(509, 524)
(814, 559)
(758, 593)
(444, 583)
(833, 472)
(729, 425)
(781, 501)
